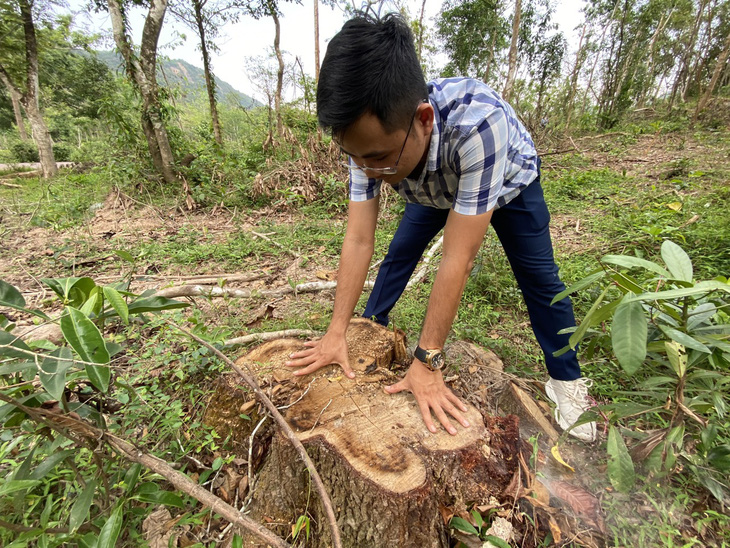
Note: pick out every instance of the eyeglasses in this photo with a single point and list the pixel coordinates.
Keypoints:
(385, 170)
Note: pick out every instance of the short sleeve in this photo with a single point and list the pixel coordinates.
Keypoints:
(480, 161)
(363, 188)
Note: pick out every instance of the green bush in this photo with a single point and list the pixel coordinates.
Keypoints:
(24, 151)
(62, 152)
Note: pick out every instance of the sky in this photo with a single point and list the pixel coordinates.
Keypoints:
(251, 38)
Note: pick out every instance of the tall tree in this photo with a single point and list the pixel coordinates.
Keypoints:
(720, 65)
(273, 11)
(510, 81)
(473, 34)
(20, 15)
(141, 71)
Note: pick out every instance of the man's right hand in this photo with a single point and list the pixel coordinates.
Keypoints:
(325, 351)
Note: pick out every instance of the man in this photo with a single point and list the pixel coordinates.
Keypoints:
(458, 155)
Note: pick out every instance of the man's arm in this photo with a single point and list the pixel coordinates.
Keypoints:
(463, 235)
(357, 250)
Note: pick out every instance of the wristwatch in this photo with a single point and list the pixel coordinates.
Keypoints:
(433, 359)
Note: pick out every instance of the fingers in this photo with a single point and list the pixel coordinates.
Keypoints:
(397, 387)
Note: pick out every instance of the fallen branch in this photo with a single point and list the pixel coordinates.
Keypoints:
(286, 430)
(418, 276)
(601, 136)
(260, 337)
(65, 422)
(11, 185)
(210, 291)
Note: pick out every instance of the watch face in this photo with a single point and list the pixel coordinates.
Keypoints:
(437, 361)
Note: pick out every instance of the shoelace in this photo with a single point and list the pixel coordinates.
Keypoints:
(579, 393)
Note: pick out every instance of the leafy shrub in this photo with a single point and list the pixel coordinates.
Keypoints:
(25, 151)
(669, 332)
(62, 152)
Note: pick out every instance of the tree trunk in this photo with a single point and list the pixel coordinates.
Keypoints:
(316, 41)
(719, 66)
(573, 88)
(420, 32)
(15, 98)
(209, 78)
(683, 71)
(509, 84)
(29, 99)
(142, 74)
(386, 474)
(660, 28)
(279, 72)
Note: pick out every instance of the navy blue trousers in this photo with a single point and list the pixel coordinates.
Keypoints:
(522, 229)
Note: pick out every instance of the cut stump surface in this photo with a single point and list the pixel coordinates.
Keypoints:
(386, 473)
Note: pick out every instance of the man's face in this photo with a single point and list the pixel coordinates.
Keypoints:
(368, 144)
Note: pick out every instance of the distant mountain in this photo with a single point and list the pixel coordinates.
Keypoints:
(189, 79)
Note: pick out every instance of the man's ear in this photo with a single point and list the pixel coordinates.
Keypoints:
(424, 116)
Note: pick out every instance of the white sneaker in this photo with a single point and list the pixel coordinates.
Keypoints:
(571, 400)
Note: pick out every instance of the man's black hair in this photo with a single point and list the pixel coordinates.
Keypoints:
(370, 67)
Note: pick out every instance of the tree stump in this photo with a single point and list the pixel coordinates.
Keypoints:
(389, 478)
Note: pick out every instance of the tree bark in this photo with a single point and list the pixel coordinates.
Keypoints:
(29, 99)
(142, 73)
(719, 66)
(15, 98)
(316, 41)
(280, 71)
(420, 32)
(509, 84)
(209, 78)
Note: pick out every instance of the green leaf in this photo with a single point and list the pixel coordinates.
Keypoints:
(80, 509)
(678, 262)
(53, 371)
(719, 457)
(130, 478)
(49, 464)
(634, 262)
(460, 524)
(498, 542)
(620, 466)
(124, 255)
(684, 339)
(117, 302)
(64, 288)
(237, 541)
(16, 367)
(576, 337)
(167, 498)
(92, 304)
(110, 532)
(13, 486)
(16, 346)
(478, 519)
(700, 315)
(154, 304)
(700, 288)
(581, 284)
(99, 375)
(11, 297)
(629, 334)
(83, 336)
(677, 357)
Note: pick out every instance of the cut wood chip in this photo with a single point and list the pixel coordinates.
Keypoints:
(534, 413)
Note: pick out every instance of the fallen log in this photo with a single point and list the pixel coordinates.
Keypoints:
(386, 474)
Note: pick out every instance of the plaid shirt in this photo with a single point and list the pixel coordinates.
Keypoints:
(480, 156)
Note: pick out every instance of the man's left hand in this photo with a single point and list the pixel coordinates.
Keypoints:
(432, 395)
